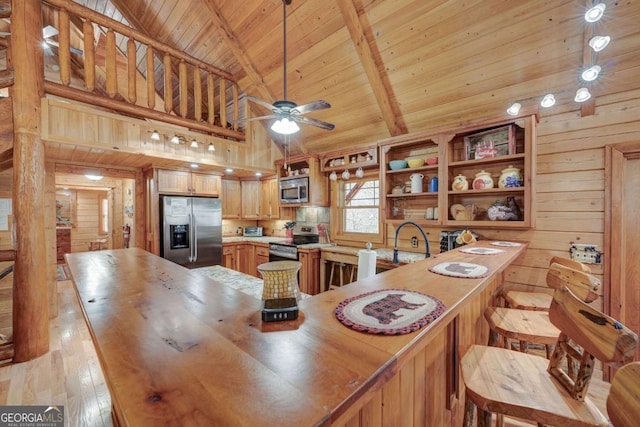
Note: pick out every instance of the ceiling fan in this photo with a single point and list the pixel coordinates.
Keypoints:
(287, 113)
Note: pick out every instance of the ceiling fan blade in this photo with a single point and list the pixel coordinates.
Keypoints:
(313, 122)
(312, 106)
(259, 101)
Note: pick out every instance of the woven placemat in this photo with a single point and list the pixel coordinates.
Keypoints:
(507, 244)
(460, 269)
(389, 311)
(481, 251)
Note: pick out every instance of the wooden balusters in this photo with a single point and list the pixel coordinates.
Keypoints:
(211, 102)
(235, 106)
(132, 71)
(151, 79)
(183, 88)
(223, 103)
(89, 56)
(64, 41)
(112, 71)
(125, 99)
(197, 93)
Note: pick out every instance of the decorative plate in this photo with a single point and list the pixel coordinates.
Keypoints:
(389, 311)
(510, 244)
(460, 269)
(481, 251)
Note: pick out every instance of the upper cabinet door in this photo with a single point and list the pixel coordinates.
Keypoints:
(174, 181)
(206, 185)
(231, 199)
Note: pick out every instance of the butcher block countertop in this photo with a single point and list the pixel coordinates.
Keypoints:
(179, 348)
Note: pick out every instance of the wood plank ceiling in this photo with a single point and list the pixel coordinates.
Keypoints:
(390, 67)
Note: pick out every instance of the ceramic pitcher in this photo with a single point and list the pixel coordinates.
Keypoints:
(416, 182)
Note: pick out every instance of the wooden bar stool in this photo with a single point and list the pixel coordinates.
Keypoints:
(531, 326)
(342, 272)
(539, 301)
(521, 385)
(623, 402)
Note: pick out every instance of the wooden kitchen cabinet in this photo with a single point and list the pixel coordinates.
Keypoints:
(309, 271)
(183, 182)
(269, 199)
(231, 195)
(251, 199)
(238, 256)
(261, 257)
(306, 166)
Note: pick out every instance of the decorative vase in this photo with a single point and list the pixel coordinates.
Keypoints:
(483, 180)
(501, 212)
(510, 177)
(460, 183)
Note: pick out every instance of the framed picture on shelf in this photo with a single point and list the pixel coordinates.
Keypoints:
(491, 143)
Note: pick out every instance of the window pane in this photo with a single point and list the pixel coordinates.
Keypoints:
(364, 220)
(361, 206)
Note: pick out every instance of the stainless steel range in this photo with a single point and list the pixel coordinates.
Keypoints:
(302, 235)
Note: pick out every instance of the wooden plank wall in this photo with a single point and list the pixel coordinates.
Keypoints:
(570, 185)
(87, 216)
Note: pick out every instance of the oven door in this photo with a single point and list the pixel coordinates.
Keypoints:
(278, 252)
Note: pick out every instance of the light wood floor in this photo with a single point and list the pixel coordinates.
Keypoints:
(69, 374)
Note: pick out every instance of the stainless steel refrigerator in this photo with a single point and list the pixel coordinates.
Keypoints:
(191, 232)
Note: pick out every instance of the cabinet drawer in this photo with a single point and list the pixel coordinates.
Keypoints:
(228, 250)
(262, 251)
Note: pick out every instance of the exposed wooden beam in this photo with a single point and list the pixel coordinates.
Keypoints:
(359, 28)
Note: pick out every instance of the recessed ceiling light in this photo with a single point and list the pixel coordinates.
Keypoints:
(228, 170)
(514, 109)
(258, 174)
(582, 95)
(194, 166)
(598, 43)
(548, 101)
(591, 73)
(93, 177)
(595, 13)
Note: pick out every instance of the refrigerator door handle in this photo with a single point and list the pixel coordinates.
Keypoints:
(191, 234)
(195, 241)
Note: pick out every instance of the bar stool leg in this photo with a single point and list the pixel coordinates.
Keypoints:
(333, 269)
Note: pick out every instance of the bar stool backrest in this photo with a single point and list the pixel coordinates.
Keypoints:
(584, 285)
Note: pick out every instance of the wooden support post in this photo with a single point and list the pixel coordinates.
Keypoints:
(132, 71)
(64, 55)
(223, 103)
(211, 101)
(151, 83)
(183, 83)
(168, 84)
(30, 302)
(197, 93)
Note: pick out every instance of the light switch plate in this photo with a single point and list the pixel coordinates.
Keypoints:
(587, 254)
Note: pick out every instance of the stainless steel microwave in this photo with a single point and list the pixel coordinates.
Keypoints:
(294, 190)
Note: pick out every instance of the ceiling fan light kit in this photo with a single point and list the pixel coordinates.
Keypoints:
(288, 114)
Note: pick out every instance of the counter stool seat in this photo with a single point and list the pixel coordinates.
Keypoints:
(538, 300)
(347, 273)
(623, 405)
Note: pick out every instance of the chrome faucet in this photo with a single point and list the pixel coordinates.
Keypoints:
(395, 247)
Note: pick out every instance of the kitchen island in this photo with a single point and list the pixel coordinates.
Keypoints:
(178, 348)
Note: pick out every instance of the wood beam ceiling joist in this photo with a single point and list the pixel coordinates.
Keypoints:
(359, 29)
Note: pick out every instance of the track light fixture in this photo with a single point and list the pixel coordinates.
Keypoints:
(548, 101)
(211, 147)
(514, 109)
(582, 95)
(598, 43)
(595, 13)
(591, 73)
(194, 143)
(155, 135)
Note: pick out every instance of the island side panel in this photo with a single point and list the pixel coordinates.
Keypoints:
(427, 390)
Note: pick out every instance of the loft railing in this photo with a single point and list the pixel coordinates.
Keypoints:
(105, 63)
